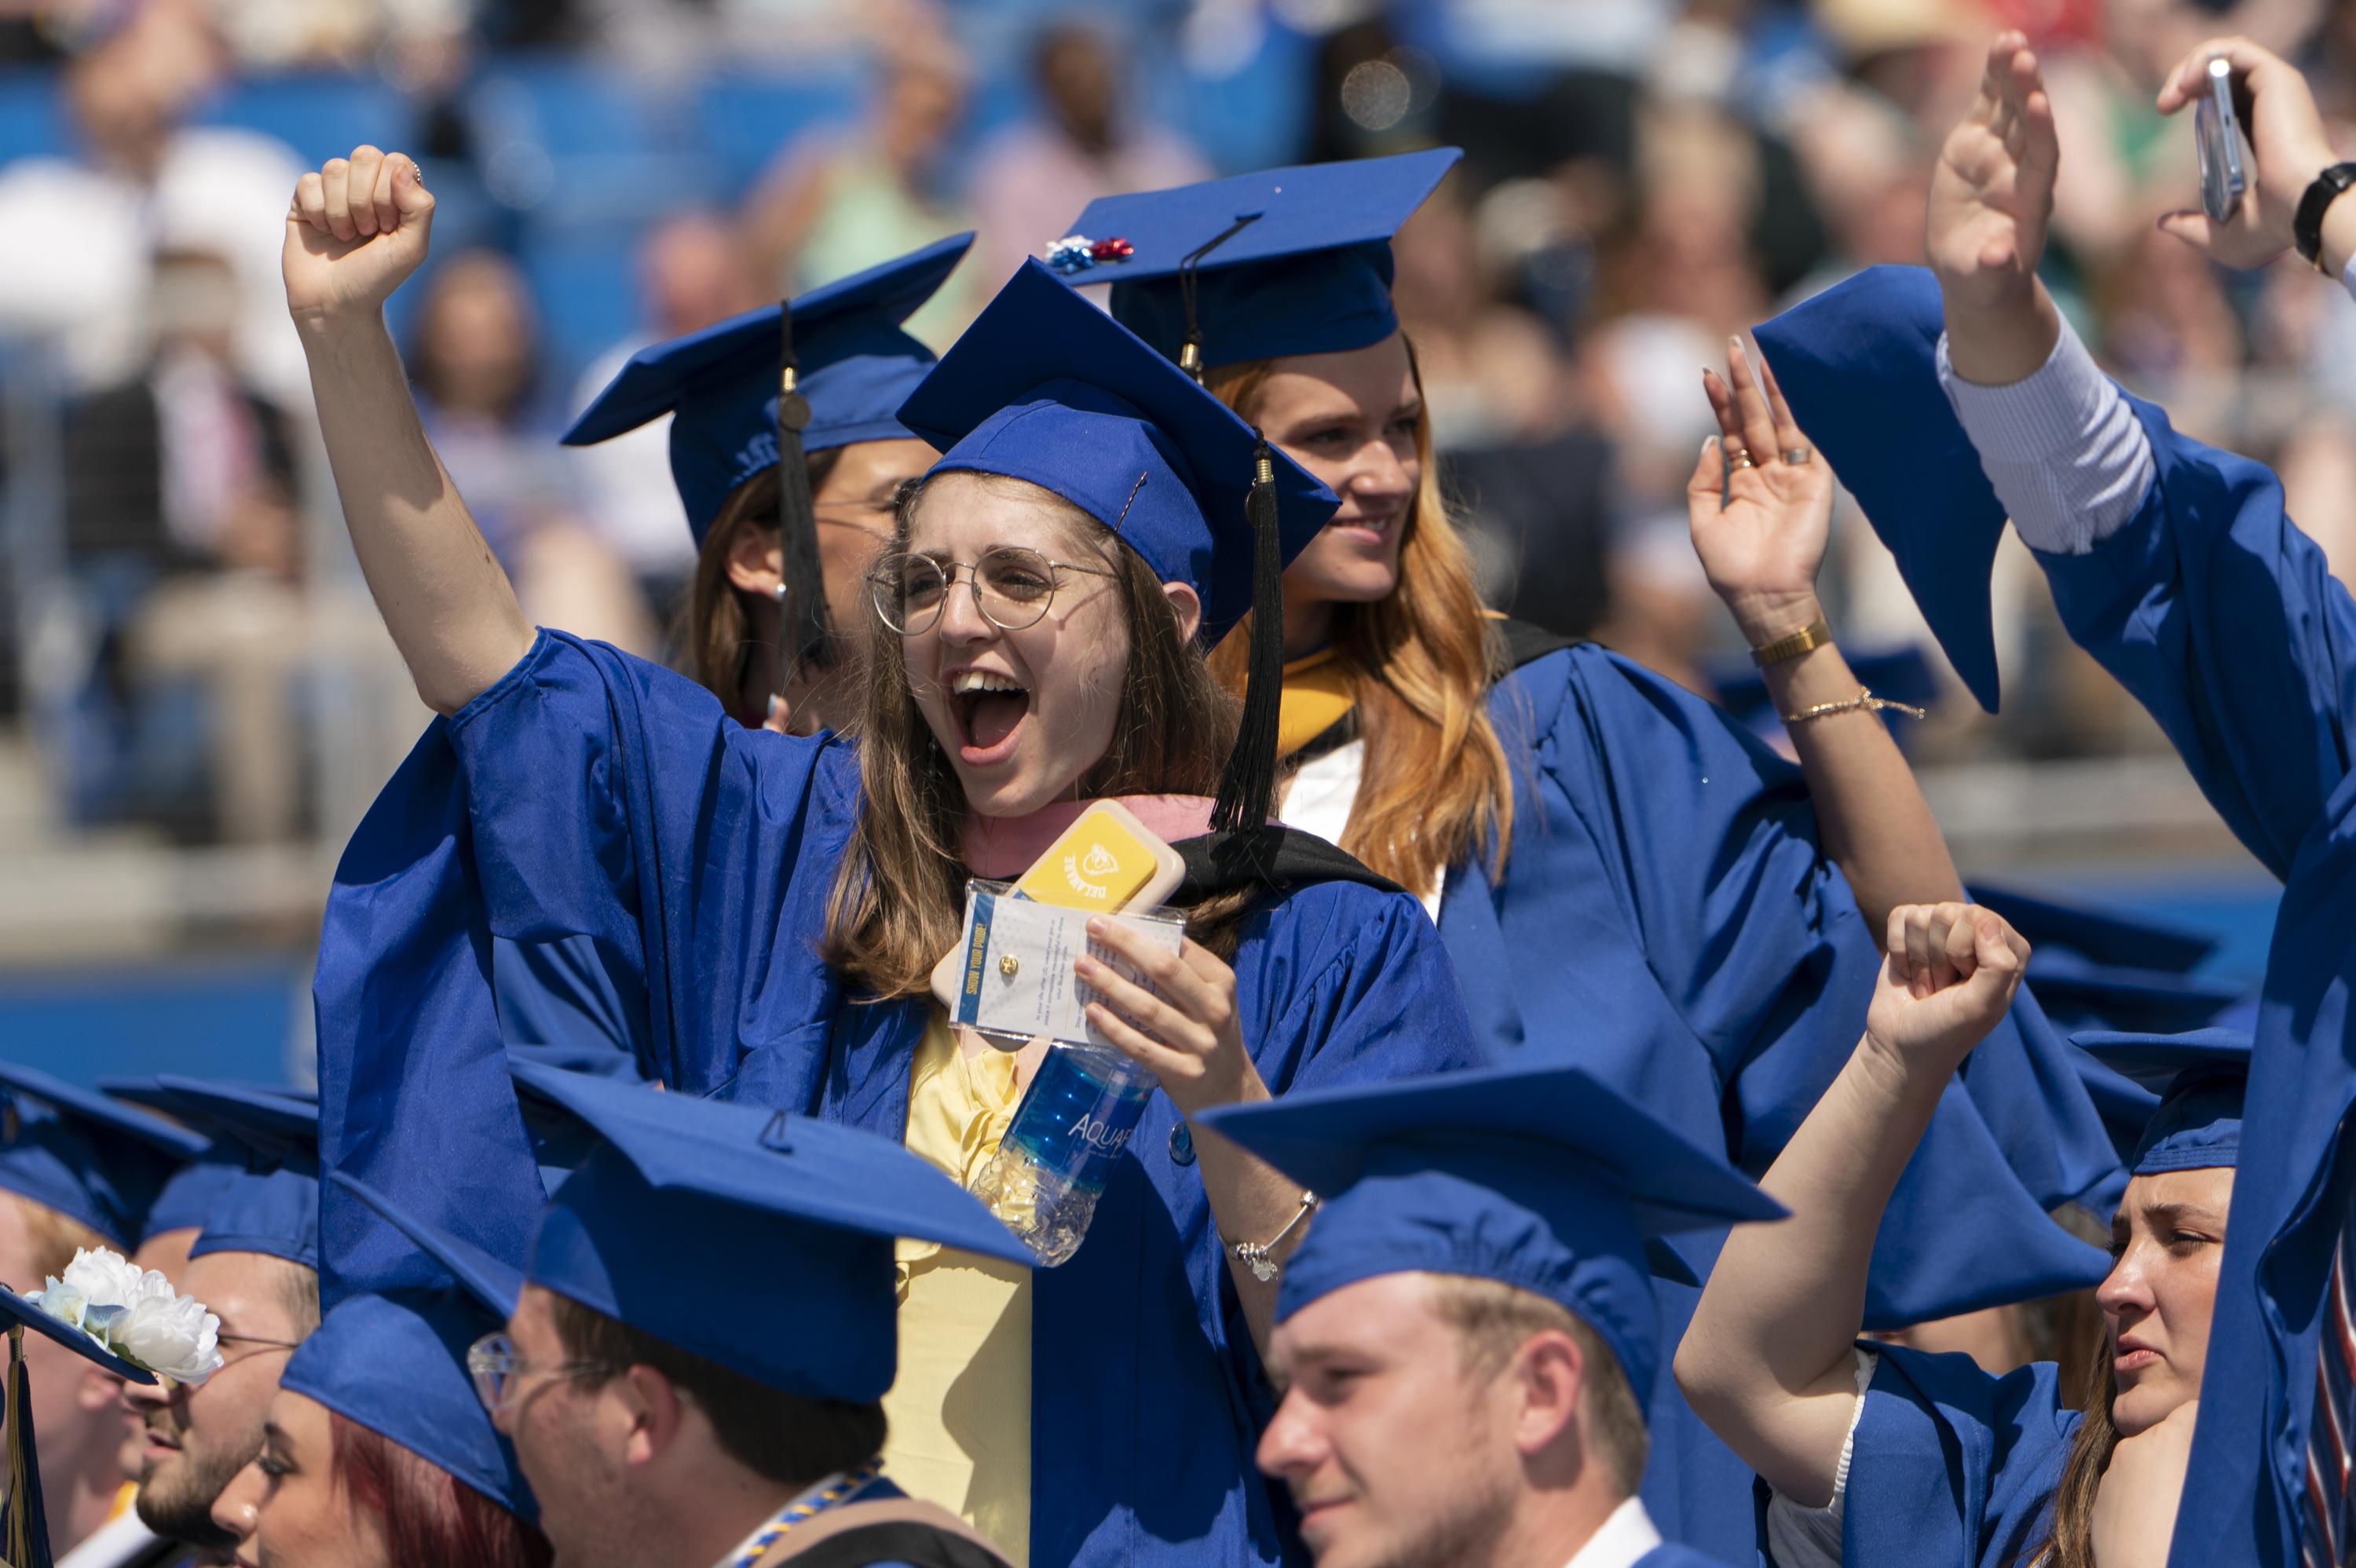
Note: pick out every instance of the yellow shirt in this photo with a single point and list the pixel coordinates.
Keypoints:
(960, 1411)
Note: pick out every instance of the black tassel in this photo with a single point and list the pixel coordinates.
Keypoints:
(24, 1519)
(805, 633)
(1248, 788)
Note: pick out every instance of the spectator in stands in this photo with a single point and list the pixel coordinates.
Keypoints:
(837, 202)
(475, 357)
(1083, 140)
(76, 234)
(694, 269)
(184, 540)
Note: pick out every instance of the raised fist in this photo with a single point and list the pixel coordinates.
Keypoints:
(1948, 977)
(356, 229)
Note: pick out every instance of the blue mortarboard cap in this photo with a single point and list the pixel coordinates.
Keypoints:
(23, 1463)
(1304, 266)
(2199, 1076)
(272, 1205)
(1543, 1179)
(857, 367)
(1045, 387)
(1859, 365)
(396, 1361)
(15, 1306)
(752, 1238)
(189, 1195)
(83, 1154)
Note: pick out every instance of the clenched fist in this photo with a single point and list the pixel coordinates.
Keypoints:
(1949, 976)
(356, 229)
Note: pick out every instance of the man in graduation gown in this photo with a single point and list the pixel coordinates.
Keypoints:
(1468, 1335)
(696, 1352)
(1948, 399)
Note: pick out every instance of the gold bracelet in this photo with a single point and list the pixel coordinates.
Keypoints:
(1814, 635)
(1864, 700)
(1254, 1255)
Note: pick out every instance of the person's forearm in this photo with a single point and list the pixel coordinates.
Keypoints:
(1766, 1360)
(1250, 1202)
(1871, 817)
(449, 606)
(1999, 342)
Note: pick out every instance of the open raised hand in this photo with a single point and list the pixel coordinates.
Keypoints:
(356, 229)
(1759, 503)
(1991, 193)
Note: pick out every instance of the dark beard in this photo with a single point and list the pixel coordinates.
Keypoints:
(181, 1507)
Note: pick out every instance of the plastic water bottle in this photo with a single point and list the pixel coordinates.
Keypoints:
(1060, 1149)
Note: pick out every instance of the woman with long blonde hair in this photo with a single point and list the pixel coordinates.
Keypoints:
(1622, 879)
(771, 906)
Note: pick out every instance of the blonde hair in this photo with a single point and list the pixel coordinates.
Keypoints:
(51, 1239)
(1495, 1320)
(899, 894)
(1437, 789)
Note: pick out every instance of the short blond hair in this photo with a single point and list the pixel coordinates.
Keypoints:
(51, 1238)
(1493, 1320)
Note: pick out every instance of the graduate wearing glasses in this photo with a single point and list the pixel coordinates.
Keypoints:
(770, 907)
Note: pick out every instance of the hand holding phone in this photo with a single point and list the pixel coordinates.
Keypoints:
(2217, 132)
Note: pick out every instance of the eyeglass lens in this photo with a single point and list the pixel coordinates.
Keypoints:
(1012, 586)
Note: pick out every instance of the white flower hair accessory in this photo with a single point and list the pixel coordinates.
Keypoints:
(135, 1313)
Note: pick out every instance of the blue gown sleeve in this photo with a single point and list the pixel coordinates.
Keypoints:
(1953, 1465)
(2224, 621)
(1708, 842)
(648, 866)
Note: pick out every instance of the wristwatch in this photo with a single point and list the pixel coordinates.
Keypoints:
(2307, 225)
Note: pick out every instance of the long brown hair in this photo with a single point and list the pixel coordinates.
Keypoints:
(1437, 789)
(714, 625)
(2072, 1544)
(901, 890)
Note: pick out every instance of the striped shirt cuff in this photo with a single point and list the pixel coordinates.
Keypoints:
(2066, 454)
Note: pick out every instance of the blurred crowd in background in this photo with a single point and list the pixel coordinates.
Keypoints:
(182, 647)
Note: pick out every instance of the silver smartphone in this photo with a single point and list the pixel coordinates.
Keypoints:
(2218, 132)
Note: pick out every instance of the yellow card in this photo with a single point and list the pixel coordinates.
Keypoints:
(1098, 863)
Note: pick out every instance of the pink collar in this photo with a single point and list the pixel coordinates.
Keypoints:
(1004, 847)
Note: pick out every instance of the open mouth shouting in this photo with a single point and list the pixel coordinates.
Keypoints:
(989, 710)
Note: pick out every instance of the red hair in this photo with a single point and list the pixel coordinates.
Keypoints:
(427, 1514)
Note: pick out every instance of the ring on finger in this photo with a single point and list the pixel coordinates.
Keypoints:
(1742, 458)
(1795, 455)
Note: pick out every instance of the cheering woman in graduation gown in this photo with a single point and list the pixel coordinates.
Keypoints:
(776, 902)
(1875, 1455)
(1951, 398)
(1623, 879)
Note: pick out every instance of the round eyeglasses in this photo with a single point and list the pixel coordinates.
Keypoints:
(1012, 587)
(496, 1370)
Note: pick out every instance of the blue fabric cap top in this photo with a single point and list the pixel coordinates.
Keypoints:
(753, 1238)
(1308, 271)
(396, 1361)
(272, 1206)
(189, 1195)
(2200, 1077)
(856, 367)
(1043, 387)
(79, 1153)
(1543, 1179)
(1859, 364)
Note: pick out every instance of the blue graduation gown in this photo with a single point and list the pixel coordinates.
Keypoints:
(618, 823)
(2222, 618)
(1668, 920)
(1952, 1466)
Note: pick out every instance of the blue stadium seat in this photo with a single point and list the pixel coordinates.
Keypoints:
(32, 120)
(742, 119)
(321, 114)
